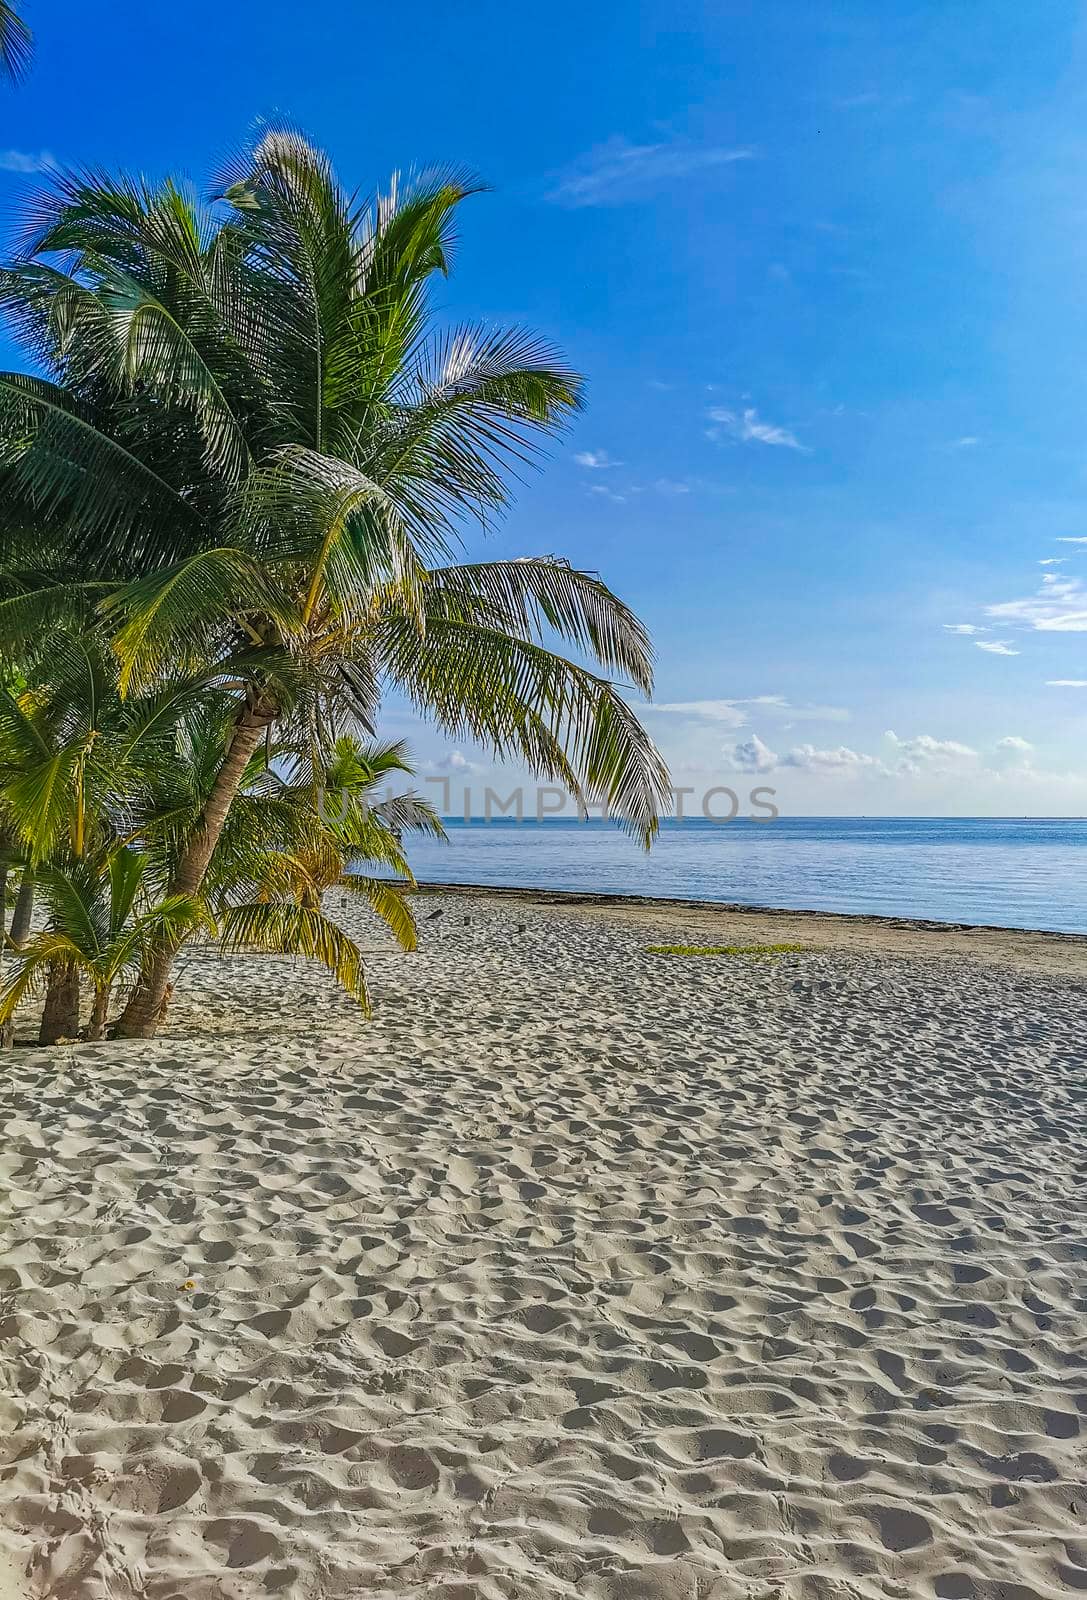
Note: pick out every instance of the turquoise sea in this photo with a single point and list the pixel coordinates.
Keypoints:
(1009, 872)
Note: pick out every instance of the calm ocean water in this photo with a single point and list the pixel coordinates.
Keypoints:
(1017, 873)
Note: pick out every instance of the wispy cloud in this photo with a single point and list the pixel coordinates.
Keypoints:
(1015, 745)
(1053, 561)
(736, 713)
(749, 428)
(595, 460)
(608, 494)
(995, 647)
(26, 161)
(618, 172)
(1060, 606)
(967, 442)
(963, 627)
(1077, 540)
(1066, 683)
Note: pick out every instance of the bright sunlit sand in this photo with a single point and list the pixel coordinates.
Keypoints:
(581, 1271)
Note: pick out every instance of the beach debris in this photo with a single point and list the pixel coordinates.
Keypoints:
(188, 1286)
(434, 915)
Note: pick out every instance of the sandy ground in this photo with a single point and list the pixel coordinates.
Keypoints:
(579, 1272)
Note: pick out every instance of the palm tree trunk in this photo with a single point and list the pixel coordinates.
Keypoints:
(20, 927)
(99, 1010)
(60, 1015)
(147, 1003)
(24, 908)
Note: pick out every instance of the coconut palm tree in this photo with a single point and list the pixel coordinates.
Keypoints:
(304, 822)
(16, 44)
(251, 432)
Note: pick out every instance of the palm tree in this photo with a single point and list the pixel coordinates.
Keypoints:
(252, 433)
(16, 44)
(77, 771)
(95, 929)
(304, 823)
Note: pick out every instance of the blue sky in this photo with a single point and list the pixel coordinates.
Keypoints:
(823, 267)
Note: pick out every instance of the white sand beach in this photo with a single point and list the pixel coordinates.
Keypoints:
(579, 1271)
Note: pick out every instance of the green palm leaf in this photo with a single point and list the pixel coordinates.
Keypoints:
(296, 931)
(76, 476)
(16, 44)
(524, 701)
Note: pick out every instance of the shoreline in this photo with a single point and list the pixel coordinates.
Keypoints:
(588, 897)
(1056, 954)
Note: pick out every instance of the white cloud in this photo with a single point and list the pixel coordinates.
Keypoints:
(728, 712)
(747, 427)
(1053, 561)
(1077, 540)
(921, 756)
(26, 161)
(736, 713)
(996, 647)
(752, 756)
(967, 442)
(609, 494)
(618, 172)
(1066, 683)
(842, 759)
(923, 745)
(963, 627)
(454, 761)
(923, 753)
(595, 460)
(671, 486)
(1060, 606)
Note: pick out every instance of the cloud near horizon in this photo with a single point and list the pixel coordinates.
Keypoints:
(914, 757)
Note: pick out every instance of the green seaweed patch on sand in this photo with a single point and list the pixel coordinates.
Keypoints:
(758, 951)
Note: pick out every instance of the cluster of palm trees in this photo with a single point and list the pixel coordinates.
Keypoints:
(234, 477)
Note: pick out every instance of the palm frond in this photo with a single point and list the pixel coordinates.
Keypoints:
(388, 902)
(37, 802)
(90, 485)
(335, 520)
(524, 701)
(521, 596)
(182, 604)
(297, 931)
(16, 44)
